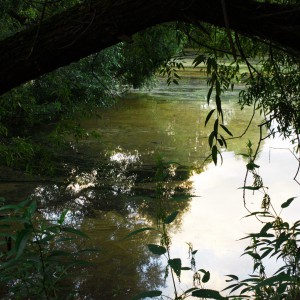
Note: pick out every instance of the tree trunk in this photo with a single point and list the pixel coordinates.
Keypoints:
(86, 29)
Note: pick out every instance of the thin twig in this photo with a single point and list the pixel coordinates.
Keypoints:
(38, 30)
(228, 31)
(249, 124)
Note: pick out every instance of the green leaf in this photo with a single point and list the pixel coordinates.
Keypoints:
(53, 229)
(46, 238)
(209, 116)
(281, 289)
(186, 269)
(261, 234)
(175, 264)
(190, 290)
(14, 220)
(209, 93)
(219, 107)
(170, 218)
(8, 207)
(277, 278)
(288, 202)
(32, 208)
(233, 277)
(266, 227)
(252, 254)
(256, 265)
(226, 130)
(211, 139)
(283, 237)
(198, 60)
(224, 141)
(207, 294)
(23, 203)
(252, 188)
(206, 277)
(149, 294)
(216, 124)
(262, 213)
(182, 197)
(75, 231)
(21, 241)
(266, 253)
(156, 249)
(230, 286)
(251, 166)
(62, 217)
(218, 88)
(59, 253)
(214, 153)
(220, 141)
(138, 231)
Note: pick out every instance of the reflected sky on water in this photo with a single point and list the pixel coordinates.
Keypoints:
(113, 193)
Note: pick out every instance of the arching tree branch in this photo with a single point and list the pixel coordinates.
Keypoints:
(83, 30)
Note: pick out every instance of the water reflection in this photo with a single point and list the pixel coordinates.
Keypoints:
(115, 274)
(219, 212)
(114, 193)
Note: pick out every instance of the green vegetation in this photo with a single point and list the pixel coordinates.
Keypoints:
(53, 104)
(277, 238)
(70, 93)
(174, 267)
(34, 260)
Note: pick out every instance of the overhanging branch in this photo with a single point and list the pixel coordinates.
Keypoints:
(83, 30)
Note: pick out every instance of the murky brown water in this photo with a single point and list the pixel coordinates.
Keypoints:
(114, 193)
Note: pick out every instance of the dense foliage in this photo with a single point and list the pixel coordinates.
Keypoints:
(37, 254)
(270, 77)
(74, 91)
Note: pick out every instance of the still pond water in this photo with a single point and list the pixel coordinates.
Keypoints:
(111, 190)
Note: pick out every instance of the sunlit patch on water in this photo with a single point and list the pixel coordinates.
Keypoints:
(83, 181)
(124, 157)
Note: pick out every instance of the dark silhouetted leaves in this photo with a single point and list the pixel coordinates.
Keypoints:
(149, 294)
(209, 116)
(139, 230)
(170, 218)
(156, 249)
(226, 129)
(214, 153)
(207, 294)
(175, 264)
(287, 202)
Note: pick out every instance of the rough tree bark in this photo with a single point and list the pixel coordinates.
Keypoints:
(86, 29)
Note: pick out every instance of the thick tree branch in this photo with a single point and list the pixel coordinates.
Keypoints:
(83, 30)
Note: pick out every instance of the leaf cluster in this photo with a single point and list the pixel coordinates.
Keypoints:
(34, 261)
(276, 239)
